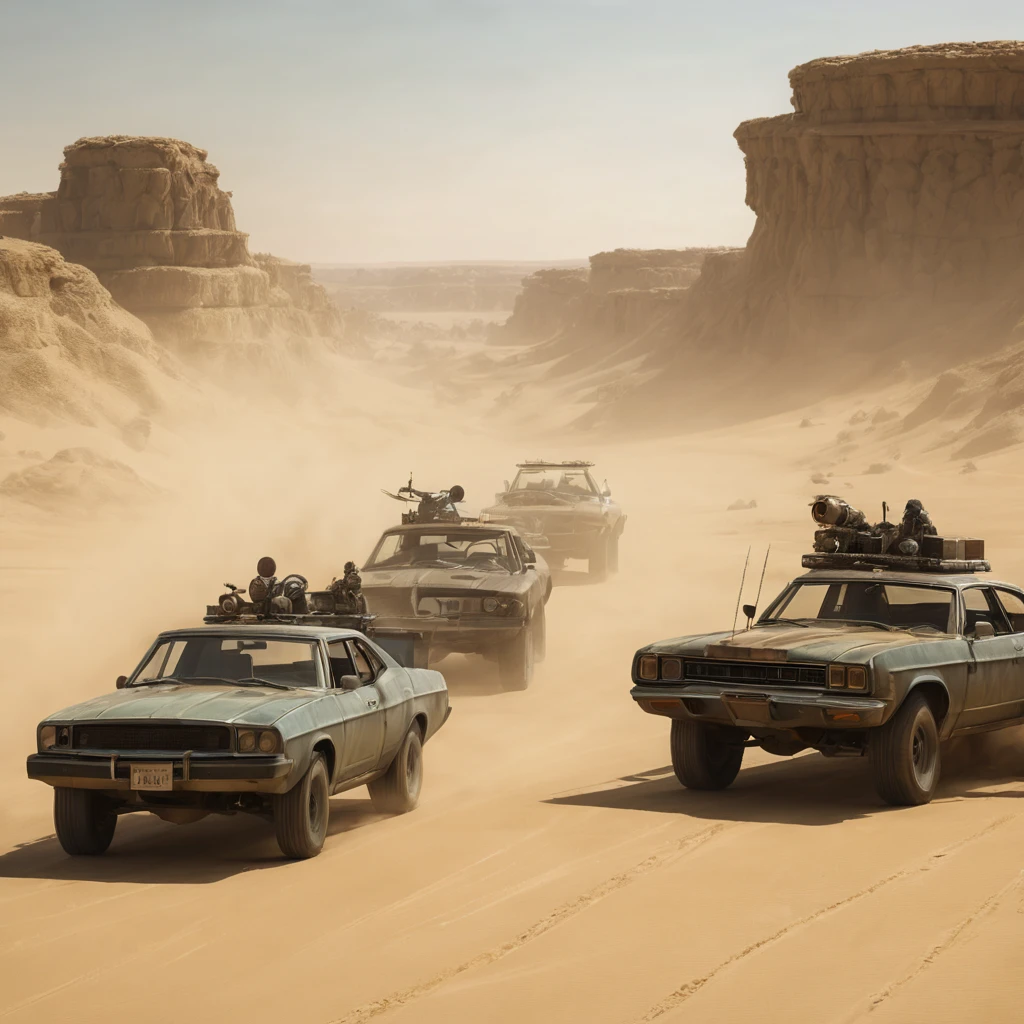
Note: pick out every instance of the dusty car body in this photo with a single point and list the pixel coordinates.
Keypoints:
(218, 719)
(888, 665)
(466, 587)
(559, 508)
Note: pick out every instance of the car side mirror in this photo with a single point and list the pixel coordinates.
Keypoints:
(750, 610)
(606, 491)
(983, 629)
(350, 682)
(505, 482)
(121, 682)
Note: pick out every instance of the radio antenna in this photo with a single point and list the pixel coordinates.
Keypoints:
(764, 569)
(739, 596)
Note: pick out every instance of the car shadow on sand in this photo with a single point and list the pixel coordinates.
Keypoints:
(806, 790)
(147, 850)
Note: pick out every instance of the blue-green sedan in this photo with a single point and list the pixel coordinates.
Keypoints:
(265, 718)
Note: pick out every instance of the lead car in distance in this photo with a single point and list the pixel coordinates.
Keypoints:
(886, 659)
(270, 718)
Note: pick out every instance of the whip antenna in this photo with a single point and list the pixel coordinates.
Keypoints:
(764, 569)
(739, 596)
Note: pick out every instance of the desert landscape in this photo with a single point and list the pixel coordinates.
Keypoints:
(174, 406)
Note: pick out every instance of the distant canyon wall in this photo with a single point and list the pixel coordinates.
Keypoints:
(148, 217)
(624, 293)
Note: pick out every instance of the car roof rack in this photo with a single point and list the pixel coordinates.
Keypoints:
(540, 463)
(897, 563)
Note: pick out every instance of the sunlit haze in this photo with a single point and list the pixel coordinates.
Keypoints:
(443, 129)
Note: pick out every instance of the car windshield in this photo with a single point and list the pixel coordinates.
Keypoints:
(242, 661)
(870, 602)
(479, 549)
(553, 478)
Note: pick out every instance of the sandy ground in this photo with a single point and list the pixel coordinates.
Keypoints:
(554, 870)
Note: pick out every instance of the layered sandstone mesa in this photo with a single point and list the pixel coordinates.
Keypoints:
(891, 202)
(625, 292)
(148, 216)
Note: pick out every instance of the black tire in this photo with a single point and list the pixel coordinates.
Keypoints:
(301, 815)
(540, 634)
(613, 553)
(597, 563)
(905, 755)
(705, 756)
(515, 666)
(398, 789)
(84, 821)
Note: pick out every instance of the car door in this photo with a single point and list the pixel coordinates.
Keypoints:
(394, 689)
(993, 663)
(1012, 604)
(361, 725)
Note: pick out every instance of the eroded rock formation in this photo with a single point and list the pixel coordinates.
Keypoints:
(624, 294)
(67, 350)
(891, 201)
(148, 217)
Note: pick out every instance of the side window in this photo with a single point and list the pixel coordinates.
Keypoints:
(341, 662)
(1013, 606)
(981, 607)
(363, 667)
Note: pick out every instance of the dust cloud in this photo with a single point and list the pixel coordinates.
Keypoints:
(552, 846)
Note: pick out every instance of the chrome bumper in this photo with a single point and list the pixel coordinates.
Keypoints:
(773, 708)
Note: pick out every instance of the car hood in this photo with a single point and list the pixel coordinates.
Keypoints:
(426, 577)
(795, 643)
(200, 703)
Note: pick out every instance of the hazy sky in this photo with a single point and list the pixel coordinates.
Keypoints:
(374, 130)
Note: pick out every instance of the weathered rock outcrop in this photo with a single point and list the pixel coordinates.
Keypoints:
(67, 350)
(625, 294)
(148, 216)
(891, 202)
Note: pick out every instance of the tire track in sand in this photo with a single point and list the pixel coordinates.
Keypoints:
(690, 988)
(565, 912)
(952, 937)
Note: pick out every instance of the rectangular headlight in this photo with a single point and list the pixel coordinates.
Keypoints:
(836, 677)
(671, 668)
(648, 667)
(856, 678)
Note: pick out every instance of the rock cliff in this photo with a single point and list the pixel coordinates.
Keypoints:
(148, 216)
(67, 351)
(624, 295)
(890, 203)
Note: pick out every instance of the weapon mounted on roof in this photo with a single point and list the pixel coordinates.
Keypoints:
(431, 506)
(847, 540)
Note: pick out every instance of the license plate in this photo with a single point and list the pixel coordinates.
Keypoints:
(152, 776)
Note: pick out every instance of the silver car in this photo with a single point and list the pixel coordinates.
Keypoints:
(266, 718)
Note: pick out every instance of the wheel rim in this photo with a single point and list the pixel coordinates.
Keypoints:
(412, 769)
(316, 809)
(922, 756)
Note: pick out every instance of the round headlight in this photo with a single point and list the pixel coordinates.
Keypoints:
(268, 742)
(47, 737)
(246, 741)
(490, 604)
(515, 607)
(259, 589)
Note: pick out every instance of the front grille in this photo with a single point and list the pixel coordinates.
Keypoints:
(715, 671)
(141, 736)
